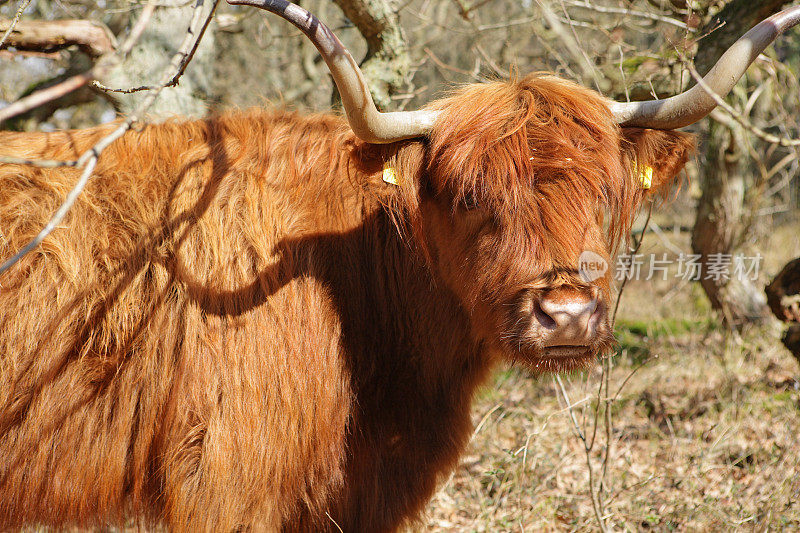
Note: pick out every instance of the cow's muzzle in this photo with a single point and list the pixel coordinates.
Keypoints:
(569, 319)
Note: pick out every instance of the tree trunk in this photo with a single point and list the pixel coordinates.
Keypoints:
(719, 227)
(148, 59)
(387, 64)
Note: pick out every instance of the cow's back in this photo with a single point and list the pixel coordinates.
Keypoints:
(167, 349)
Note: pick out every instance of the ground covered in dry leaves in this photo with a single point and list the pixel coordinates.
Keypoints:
(704, 426)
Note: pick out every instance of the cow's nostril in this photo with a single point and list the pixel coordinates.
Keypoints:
(542, 317)
(598, 314)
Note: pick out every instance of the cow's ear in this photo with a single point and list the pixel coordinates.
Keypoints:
(388, 170)
(655, 157)
(393, 175)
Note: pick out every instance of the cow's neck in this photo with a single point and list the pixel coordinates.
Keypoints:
(413, 368)
(406, 332)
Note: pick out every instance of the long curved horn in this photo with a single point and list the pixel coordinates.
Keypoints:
(367, 122)
(692, 105)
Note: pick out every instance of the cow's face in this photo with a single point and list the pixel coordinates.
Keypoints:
(523, 181)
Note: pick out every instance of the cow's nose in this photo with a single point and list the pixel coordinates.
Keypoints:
(569, 316)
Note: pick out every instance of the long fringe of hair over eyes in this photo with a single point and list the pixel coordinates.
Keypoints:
(537, 148)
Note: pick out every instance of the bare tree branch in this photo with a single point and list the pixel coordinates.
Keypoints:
(57, 91)
(387, 64)
(571, 42)
(23, 6)
(629, 12)
(180, 67)
(88, 160)
(739, 117)
(93, 38)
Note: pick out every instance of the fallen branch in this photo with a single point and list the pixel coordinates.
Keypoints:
(93, 38)
(51, 93)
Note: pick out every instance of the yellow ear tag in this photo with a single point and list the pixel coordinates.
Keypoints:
(645, 175)
(390, 175)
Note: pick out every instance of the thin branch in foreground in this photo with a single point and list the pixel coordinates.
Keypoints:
(51, 93)
(597, 505)
(137, 30)
(569, 407)
(736, 115)
(104, 64)
(629, 12)
(57, 216)
(23, 6)
(185, 57)
(633, 251)
(597, 479)
(89, 158)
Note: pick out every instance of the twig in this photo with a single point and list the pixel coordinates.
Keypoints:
(441, 64)
(570, 41)
(629, 12)
(593, 494)
(632, 252)
(23, 6)
(465, 11)
(608, 426)
(57, 216)
(509, 24)
(137, 30)
(51, 93)
(606, 377)
(622, 73)
(90, 157)
(735, 115)
(186, 57)
(569, 407)
(630, 375)
(596, 420)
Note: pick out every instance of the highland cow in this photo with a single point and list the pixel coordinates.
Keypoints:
(272, 322)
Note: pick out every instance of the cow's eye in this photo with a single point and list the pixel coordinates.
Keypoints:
(470, 202)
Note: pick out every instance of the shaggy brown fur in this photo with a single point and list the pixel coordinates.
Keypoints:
(240, 326)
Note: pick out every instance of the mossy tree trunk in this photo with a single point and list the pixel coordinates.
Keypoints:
(724, 206)
(387, 64)
(144, 66)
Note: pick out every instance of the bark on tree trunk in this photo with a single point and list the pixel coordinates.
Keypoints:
(719, 226)
(387, 64)
(147, 60)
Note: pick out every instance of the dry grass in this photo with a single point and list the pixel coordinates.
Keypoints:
(705, 433)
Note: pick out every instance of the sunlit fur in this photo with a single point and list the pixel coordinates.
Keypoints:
(239, 325)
